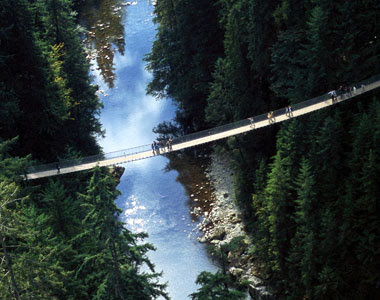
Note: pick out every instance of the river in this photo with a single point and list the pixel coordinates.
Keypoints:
(152, 199)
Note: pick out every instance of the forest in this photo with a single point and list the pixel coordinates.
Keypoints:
(309, 188)
(61, 237)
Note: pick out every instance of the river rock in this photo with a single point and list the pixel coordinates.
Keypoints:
(202, 239)
(117, 172)
(224, 223)
(236, 271)
(217, 234)
(244, 259)
(233, 258)
(260, 293)
(206, 221)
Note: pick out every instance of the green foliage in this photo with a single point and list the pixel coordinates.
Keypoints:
(215, 286)
(183, 55)
(166, 130)
(59, 238)
(219, 109)
(308, 190)
(11, 167)
(45, 87)
(28, 80)
(113, 254)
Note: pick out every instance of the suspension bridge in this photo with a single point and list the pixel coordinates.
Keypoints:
(202, 137)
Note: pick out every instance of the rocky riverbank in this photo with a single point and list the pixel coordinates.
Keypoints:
(222, 227)
(117, 172)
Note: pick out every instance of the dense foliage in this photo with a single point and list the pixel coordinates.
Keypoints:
(215, 287)
(182, 66)
(310, 187)
(60, 238)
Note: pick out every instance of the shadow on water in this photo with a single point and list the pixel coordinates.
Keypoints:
(191, 169)
(105, 34)
(153, 200)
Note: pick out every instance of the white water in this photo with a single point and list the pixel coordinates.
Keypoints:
(152, 200)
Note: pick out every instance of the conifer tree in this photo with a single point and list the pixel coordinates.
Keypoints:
(215, 286)
(29, 80)
(182, 58)
(280, 209)
(9, 284)
(304, 243)
(57, 28)
(113, 255)
(359, 235)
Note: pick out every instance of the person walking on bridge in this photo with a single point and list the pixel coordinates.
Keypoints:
(270, 117)
(169, 144)
(332, 94)
(288, 111)
(252, 124)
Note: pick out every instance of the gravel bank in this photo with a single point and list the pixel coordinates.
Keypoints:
(222, 224)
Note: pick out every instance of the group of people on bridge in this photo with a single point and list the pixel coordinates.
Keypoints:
(343, 91)
(158, 147)
(271, 118)
(288, 113)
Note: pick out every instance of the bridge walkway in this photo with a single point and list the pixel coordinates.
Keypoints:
(206, 136)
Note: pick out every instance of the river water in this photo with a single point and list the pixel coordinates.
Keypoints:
(152, 199)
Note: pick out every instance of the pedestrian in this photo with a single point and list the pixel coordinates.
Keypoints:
(339, 92)
(170, 144)
(290, 112)
(270, 117)
(252, 124)
(157, 148)
(333, 96)
(354, 90)
(153, 146)
(58, 168)
(350, 91)
(363, 87)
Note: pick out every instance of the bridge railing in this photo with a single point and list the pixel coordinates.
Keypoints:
(276, 113)
(360, 88)
(67, 163)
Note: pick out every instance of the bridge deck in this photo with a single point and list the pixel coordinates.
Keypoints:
(279, 117)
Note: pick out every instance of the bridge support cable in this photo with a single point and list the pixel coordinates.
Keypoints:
(202, 137)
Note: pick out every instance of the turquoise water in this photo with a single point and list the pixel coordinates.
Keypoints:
(152, 200)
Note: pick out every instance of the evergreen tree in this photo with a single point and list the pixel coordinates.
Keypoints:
(60, 29)
(113, 256)
(30, 82)
(27, 244)
(183, 56)
(359, 235)
(304, 243)
(10, 284)
(280, 209)
(215, 286)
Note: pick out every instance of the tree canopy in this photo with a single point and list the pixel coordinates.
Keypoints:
(60, 238)
(308, 188)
